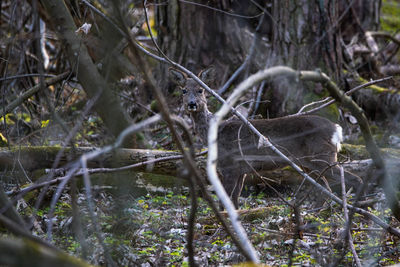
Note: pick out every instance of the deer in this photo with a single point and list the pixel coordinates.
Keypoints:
(310, 141)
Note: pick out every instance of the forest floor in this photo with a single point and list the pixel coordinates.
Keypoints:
(151, 230)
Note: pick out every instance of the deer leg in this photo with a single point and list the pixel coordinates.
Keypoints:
(238, 190)
(332, 173)
(233, 184)
(350, 179)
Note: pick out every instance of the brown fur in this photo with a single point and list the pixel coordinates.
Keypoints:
(307, 140)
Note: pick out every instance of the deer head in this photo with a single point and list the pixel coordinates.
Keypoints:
(194, 99)
(310, 141)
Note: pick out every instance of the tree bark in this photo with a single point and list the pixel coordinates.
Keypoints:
(302, 35)
(197, 36)
(308, 35)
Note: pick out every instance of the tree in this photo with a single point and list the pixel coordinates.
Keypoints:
(326, 47)
(301, 34)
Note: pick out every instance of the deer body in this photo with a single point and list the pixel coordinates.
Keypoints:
(312, 142)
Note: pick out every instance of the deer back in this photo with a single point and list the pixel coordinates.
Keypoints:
(302, 138)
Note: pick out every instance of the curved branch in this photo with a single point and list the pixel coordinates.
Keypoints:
(241, 239)
(31, 92)
(371, 146)
(255, 78)
(331, 101)
(242, 87)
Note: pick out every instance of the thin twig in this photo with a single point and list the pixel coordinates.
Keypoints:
(213, 136)
(91, 208)
(292, 233)
(54, 201)
(349, 238)
(240, 238)
(331, 100)
(254, 79)
(35, 186)
(151, 33)
(257, 100)
(31, 92)
(91, 155)
(25, 76)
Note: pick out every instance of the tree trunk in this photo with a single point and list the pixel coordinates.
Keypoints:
(310, 36)
(299, 34)
(197, 36)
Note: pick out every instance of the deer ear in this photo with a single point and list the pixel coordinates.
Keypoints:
(177, 77)
(208, 75)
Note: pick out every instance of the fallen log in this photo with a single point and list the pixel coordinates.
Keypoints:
(32, 158)
(163, 162)
(23, 252)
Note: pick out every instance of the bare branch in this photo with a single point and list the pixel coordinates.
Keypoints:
(188, 159)
(347, 220)
(25, 76)
(31, 92)
(331, 100)
(213, 136)
(371, 146)
(384, 35)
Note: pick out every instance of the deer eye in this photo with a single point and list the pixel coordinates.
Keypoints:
(200, 91)
(184, 91)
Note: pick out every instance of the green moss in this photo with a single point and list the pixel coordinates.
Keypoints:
(355, 151)
(154, 106)
(3, 140)
(375, 88)
(390, 16)
(331, 112)
(177, 93)
(360, 152)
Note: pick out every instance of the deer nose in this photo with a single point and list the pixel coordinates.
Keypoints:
(192, 106)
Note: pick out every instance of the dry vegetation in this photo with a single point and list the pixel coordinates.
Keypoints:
(109, 218)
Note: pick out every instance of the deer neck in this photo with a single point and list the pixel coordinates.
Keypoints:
(201, 121)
